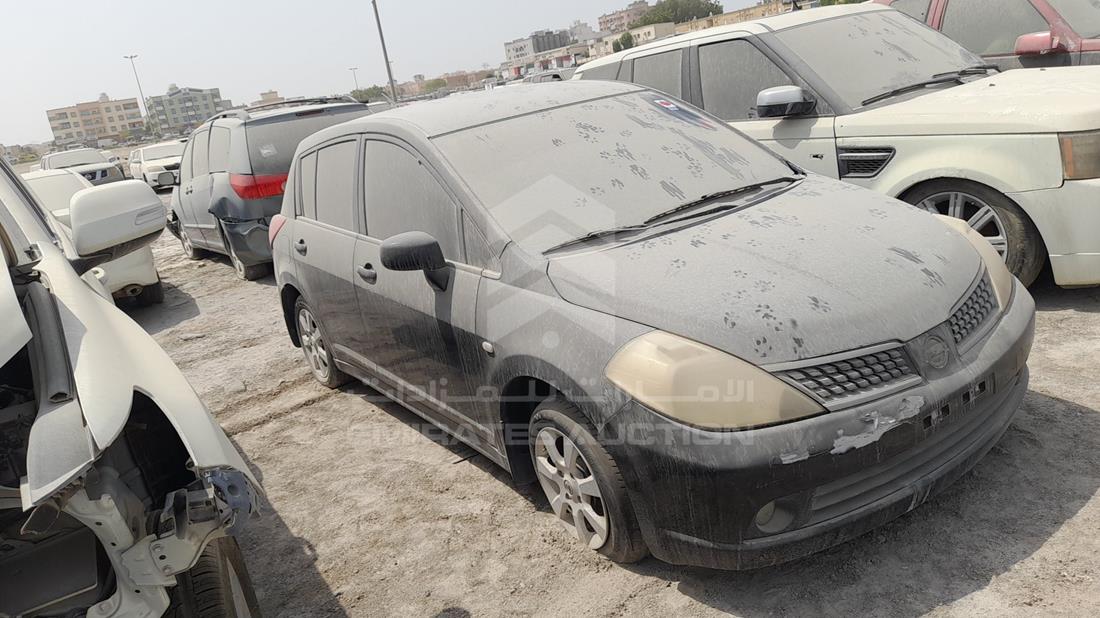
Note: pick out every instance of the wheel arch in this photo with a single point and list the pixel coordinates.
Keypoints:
(288, 296)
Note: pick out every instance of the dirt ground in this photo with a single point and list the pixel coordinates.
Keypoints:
(370, 514)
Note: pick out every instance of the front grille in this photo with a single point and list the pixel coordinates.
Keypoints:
(863, 162)
(171, 167)
(90, 175)
(974, 312)
(854, 376)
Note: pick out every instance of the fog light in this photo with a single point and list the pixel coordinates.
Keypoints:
(771, 519)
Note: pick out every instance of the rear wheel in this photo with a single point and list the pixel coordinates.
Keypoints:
(1004, 224)
(248, 272)
(316, 348)
(151, 294)
(218, 586)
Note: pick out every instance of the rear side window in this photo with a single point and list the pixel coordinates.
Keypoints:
(336, 185)
(271, 143)
(991, 29)
(403, 196)
(660, 72)
(308, 174)
(200, 164)
(917, 9)
(185, 164)
(731, 74)
(607, 72)
(219, 149)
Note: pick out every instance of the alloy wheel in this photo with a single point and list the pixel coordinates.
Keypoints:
(313, 345)
(185, 240)
(980, 216)
(569, 485)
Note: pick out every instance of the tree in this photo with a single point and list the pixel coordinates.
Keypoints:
(616, 46)
(626, 41)
(365, 95)
(678, 11)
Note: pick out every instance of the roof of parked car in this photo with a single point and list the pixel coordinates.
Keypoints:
(432, 118)
(756, 26)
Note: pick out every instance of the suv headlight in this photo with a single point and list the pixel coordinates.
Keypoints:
(701, 386)
(155, 169)
(998, 272)
(1080, 155)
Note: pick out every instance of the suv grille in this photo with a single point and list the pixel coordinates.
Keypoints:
(172, 167)
(855, 375)
(974, 312)
(863, 162)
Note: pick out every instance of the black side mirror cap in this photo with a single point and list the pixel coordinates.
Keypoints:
(416, 251)
(784, 101)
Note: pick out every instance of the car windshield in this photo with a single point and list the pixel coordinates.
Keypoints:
(55, 191)
(162, 151)
(1083, 16)
(864, 55)
(563, 173)
(73, 158)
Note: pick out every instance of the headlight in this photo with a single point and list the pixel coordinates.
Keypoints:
(155, 169)
(998, 272)
(702, 386)
(1080, 155)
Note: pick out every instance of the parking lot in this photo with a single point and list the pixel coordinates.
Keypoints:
(369, 513)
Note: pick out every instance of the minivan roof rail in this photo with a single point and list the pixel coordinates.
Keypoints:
(301, 101)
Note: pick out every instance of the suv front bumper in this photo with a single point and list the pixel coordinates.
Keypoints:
(1068, 218)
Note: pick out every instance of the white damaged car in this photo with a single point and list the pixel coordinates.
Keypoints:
(118, 491)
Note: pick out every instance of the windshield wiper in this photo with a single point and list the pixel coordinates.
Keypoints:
(944, 79)
(978, 69)
(615, 231)
(711, 197)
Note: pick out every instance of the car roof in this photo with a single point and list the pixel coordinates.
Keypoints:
(764, 25)
(450, 114)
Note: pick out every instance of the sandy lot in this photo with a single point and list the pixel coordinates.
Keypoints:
(368, 513)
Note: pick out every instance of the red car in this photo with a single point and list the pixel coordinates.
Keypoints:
(1016, 33)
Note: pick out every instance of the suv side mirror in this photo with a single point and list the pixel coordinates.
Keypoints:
(416, 251)
(783, 101)
(112, 220)
(1038, 44)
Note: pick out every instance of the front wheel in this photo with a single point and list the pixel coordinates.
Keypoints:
(189, 250)
(151, 294)
(582, 482)
(1004, 224)
(316, 348)
(218, 586)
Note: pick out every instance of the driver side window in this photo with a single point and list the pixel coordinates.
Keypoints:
(731, 74)
(185, 164)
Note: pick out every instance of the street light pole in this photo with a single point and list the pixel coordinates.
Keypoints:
(140, 93)
(385, 54)
(354, 76)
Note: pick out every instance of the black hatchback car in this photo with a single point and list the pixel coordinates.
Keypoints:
(698, 350)
(233, 172)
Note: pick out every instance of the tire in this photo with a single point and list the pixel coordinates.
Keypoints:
(315, 347)
(248, 272)
(1023, 248)
(191, 251)
(151, 295)
(218, 586)
(560, 420)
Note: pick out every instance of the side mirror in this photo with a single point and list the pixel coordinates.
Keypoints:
(416, 251)
(783, 101)
(111, 220)
(1038, 44)
(167, 179)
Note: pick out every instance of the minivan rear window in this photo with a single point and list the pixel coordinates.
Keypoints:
(271, 143)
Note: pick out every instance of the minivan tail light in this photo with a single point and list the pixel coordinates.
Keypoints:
(277, 223)
(250, 187)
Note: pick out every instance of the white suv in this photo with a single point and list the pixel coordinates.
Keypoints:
(147, 163)
(869, 95)
(117, 487)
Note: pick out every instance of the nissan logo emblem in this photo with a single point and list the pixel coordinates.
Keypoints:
(936, 352)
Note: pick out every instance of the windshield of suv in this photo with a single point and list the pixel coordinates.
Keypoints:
(867, 54)
(162, 151)
(272, 142)
(73, 158)
(1083, 16)
(563, 173)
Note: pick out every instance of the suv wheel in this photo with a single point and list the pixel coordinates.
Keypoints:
(991, 214)
(218, 586)
(189, 250)
(316, 348)
(583, 483)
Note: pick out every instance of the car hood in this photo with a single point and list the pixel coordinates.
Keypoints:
(89, 167)
(822, 268)
(1050, 100)
(163, 161)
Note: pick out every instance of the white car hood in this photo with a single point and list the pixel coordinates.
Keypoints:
(1064, 99)
(162, 162)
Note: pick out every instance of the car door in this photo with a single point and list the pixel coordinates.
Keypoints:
(324, 235)
(183, 195)
(991, 29)
(198, 191)
(731, 73)
(418, 339)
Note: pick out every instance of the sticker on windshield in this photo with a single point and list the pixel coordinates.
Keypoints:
(678, 110)
(268, 151)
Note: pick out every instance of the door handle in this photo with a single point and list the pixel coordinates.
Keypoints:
(188, 191)
(300, 246)
(367, 273)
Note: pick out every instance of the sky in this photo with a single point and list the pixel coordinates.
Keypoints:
(62, 52)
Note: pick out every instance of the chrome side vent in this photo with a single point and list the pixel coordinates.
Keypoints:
(863, 162)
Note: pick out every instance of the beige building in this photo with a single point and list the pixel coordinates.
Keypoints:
(766, 8)
(271, 96)
(619, 21)
(642, 35)
(96, 121)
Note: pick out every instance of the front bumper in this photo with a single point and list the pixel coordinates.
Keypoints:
(697, 493)
(1067, 218)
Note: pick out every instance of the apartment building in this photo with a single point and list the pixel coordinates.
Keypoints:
(619, 21)
(535, 43)
(765, 8)
(181, 109)
(96, 122)
(642, 35)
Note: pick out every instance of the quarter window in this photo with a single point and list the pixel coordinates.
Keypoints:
(336, 185)
(989, 30)
(917, 9)
(606, 72)
(185, 164)
(732, 74)
(308, 175)
(219, 149)
(403, 196)
(660, 72)
(200, 164)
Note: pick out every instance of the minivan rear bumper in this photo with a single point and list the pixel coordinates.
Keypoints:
(248, 240)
